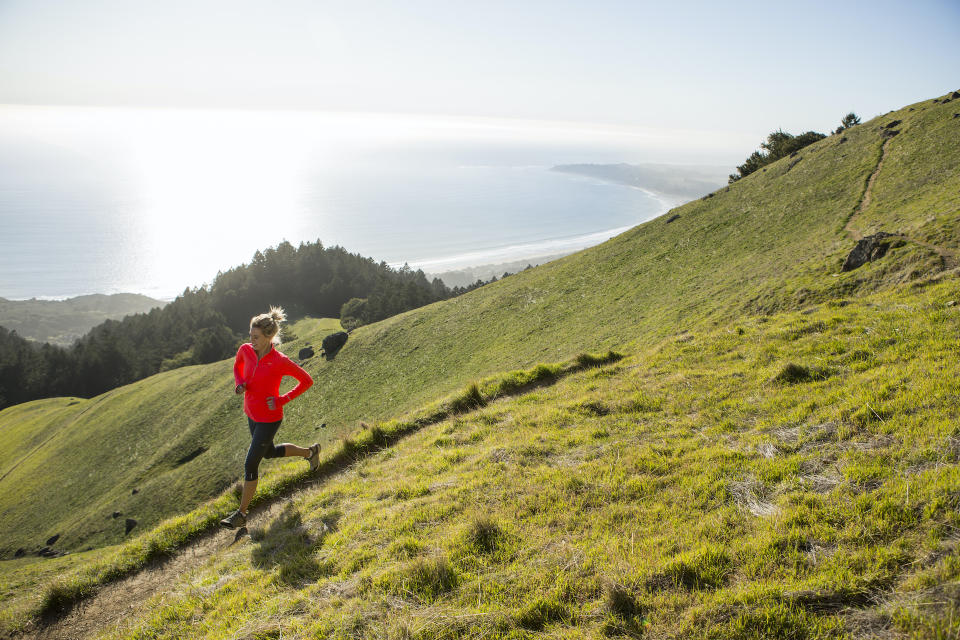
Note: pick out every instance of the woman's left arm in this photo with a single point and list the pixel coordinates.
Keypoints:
(304, 381)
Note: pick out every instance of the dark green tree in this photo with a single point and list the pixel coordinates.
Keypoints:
(778, 144)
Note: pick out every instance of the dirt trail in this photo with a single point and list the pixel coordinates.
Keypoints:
(867, 193)
(950, 256)
(119, 600)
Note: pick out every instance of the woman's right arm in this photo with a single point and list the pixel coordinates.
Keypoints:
(243, 366)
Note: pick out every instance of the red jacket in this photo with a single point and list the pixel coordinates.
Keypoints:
(263, 380)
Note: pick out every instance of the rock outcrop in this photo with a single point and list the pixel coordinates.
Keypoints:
(868, 249)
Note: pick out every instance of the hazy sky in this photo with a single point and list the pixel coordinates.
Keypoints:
(746, 67)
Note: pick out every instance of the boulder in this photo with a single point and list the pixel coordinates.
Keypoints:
(117, 514)
(673, 217)
(867, 250)
(130, 524)
(305, 354)
(333, 343)
(20, 553)
(955, 95)
(53, 540)
(135, 492)
(889, 133)
(891, 125)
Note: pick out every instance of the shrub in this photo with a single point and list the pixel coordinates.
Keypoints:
(705, 569)
(484, 534)
(542, 612)
(621, 601)
(428, 578)
(469, 399)
(793, 373)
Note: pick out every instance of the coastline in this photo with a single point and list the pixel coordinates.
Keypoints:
(496, 260)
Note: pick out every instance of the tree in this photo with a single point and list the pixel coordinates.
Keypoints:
(850, 120)
(779, 144)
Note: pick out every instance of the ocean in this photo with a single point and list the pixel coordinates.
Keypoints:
(151, 201)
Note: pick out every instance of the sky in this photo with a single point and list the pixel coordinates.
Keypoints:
(744, 67)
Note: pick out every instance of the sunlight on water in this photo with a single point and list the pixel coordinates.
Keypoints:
(155, 200)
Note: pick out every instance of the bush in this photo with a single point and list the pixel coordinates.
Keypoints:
(484, 534)
(428, 578)
(795, 374)
(705, 569)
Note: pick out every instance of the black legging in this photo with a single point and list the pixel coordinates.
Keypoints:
(261, 446)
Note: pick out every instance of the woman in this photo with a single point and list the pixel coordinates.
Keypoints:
(258, 369)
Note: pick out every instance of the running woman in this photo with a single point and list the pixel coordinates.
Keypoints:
(257, 370)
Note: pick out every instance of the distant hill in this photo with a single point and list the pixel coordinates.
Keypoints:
(60, 322)
(678, 183)
(775, 455)
(482, 273)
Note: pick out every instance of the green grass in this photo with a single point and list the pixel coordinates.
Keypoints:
(739, 508)
(766, 445)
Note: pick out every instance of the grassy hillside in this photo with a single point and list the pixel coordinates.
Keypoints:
(794, 476)
(706, 307)
(768, 242)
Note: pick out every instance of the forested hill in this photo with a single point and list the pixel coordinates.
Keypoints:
(205, 324)
(62, 322)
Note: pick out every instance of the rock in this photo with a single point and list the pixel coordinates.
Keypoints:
(891, 125)
(53, 540)
(955, 95)
(951, 303)
(20, 553)
(117, 514)
(843, 139)
(43, 551)
(130, 524)
(333, 343)
(305, 353)
(675, 216)
(956, 115)
(889, 133)
(135, 492)
(867, 250)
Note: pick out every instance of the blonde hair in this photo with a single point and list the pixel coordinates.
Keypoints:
(269, 323)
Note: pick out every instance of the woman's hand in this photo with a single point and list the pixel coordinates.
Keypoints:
(240, 388)
(271, 403)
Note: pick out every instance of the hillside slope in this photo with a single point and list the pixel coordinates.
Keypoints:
(794, 476)
(773, 241)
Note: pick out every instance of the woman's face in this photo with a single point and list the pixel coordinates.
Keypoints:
(259, 341)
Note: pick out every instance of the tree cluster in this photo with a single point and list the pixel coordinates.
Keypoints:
(780, 144)
(207, 324)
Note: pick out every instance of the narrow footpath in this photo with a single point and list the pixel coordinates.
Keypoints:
(950, 257)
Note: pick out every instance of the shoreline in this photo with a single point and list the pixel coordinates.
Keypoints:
(492, 259)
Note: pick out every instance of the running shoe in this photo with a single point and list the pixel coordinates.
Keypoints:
(234, 520)
(314, 457)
